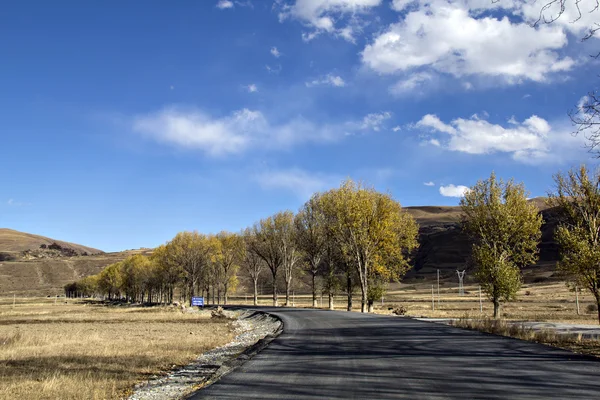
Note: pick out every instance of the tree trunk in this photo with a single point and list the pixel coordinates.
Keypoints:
(287, 293)
(497, 308)
(331, 301)
(255, 292)
(314, 290)
(363, 297)
(349, 289)
(598, 305)
(370, 303)
(225, 294)
(275, 304)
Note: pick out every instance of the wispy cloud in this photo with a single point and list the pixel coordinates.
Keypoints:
(329, 80)
(251, 88)
(15, 203)
(275, 52)
(298, 181)
(230, 134)
(429, 183)
(374, 121)
(273, 70)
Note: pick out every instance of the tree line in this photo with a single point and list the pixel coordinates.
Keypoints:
(349, 237)
(355, 237)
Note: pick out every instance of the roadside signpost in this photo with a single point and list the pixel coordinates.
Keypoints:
(198, 301)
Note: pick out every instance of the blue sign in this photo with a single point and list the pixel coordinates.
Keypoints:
(198, 301)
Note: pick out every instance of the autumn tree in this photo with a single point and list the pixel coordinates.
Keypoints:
(170, 271)
(228, 248)
(267, 245)
(284, 221)
(251, 263)
(577, 197)
(311, 238)
(191, 251)
(505, 229)
(374, 234)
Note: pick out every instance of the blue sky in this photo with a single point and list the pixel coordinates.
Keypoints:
(124, 123)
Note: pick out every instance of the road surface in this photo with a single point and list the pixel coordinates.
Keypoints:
(341, 355)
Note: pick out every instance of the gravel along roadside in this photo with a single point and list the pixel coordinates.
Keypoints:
(254, 330)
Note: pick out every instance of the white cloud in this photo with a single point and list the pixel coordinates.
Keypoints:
(434, 142)
(530, 141)
(396, 128)
(450, 37)
(14, 203)
(273, 70)
(453, 191)
(224, 4)
(241, 130)
(408, 85)
(375, 121)
(251, 88)
(429, 183)
(297, 181)
(275, 52)
(432, 121)
(329, 79)
(328, 16)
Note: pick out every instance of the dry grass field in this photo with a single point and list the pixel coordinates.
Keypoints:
(76, 350)
(15, 241)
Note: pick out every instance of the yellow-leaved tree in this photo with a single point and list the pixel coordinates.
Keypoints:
(578, 235)
(373, 233)
(506, 230)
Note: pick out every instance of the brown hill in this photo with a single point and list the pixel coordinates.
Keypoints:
(444, 246)
(12, 241)
(47, 276)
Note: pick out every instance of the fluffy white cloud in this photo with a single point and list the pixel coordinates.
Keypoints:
(324, 16)
(275, 52)
(530, 141)
(297, 181)
(224, 4)
(429, 183)
(448, 37)
(251, 88)
(329, 79)
(453, 191)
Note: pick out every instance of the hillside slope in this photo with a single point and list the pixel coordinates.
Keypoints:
(444, 246)
(12, 241)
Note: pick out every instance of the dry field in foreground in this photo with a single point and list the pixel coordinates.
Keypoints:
(90, 351)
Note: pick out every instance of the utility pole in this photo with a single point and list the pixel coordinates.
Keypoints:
(432, 299)
(577, 298)
(480, 303)
(438, 287)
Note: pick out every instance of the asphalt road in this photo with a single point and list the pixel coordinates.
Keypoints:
(341, 355)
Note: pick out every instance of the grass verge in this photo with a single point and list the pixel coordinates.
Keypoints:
(500, 327)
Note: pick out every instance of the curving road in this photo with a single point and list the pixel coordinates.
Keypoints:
(341, 355)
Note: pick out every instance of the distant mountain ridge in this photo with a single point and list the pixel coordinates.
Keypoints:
(12, 241)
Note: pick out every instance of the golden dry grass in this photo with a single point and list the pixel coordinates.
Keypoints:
(15, 241)
(573, 343)
(87, 351)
